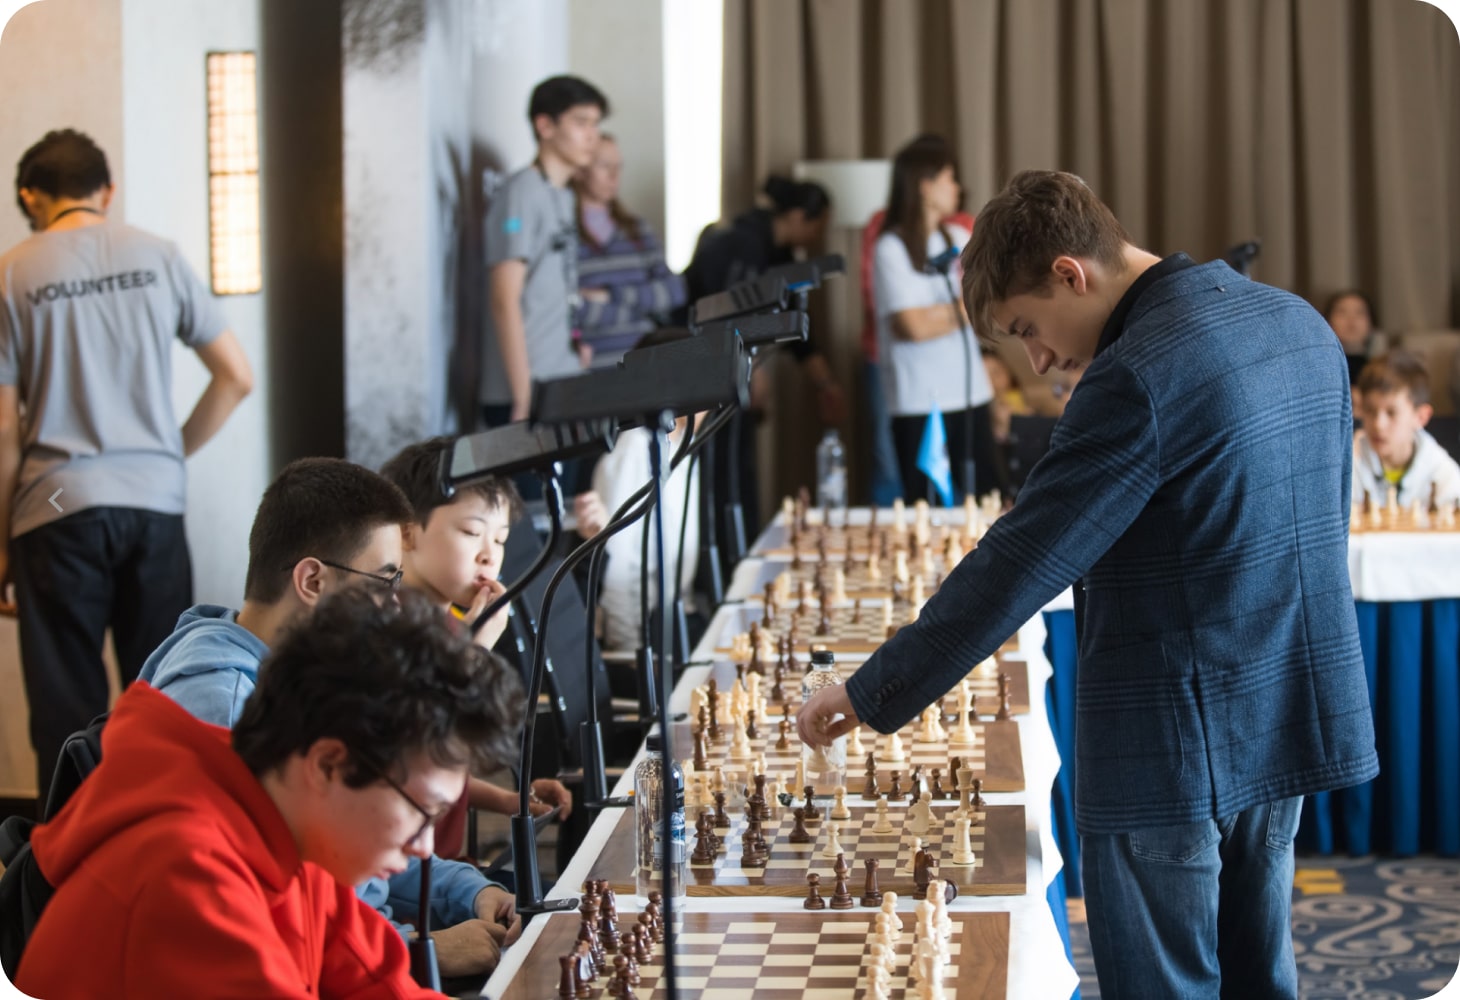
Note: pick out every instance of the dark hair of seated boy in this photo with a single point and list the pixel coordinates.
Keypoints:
(194, 861)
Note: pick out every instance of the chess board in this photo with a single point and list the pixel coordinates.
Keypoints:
(995, 756)
(1404, 520)
(997, 837)
(985, 683)
(857, 580)
(816, 955)
(855, 627)
(855, 542)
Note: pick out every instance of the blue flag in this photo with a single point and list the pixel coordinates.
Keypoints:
(933, 457)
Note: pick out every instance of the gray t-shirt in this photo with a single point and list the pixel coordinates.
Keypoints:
(87, 321)
(532, 221)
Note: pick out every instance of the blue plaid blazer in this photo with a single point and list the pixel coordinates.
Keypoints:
(1197, 488)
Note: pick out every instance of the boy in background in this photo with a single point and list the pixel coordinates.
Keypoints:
(453, 554)
(1393, 449)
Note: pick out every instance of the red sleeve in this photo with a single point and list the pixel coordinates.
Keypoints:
(870, 233)
(364, 956)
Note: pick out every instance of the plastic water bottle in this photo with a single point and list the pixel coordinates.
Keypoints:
(826, 767)
(831, 471)
(648, 808)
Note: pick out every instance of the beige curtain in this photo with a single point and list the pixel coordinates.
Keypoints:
(1326, 128)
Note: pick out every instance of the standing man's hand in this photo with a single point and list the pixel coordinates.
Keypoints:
(825, 716)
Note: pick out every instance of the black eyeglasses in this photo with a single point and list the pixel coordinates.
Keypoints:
(427, 820)
(390, 583)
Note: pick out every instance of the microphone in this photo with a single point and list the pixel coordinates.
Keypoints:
(941, 263)
(768, 293)
(519, 447)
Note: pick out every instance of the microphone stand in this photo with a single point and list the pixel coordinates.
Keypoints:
(595, 783)
(681, 622)
(553, 495)
(424, 969)
(671, 797)
(709, 521)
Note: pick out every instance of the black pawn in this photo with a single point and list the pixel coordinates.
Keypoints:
(813, 893)
(799, 834)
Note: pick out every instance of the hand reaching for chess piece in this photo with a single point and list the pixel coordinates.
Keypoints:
(826, 715)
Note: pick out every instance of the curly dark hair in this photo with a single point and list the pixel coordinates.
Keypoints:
(416, 472)
(388, 681)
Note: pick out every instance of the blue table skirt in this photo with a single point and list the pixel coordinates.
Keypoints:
(1412, 658)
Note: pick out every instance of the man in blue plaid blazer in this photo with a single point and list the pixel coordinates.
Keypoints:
(1196, 493)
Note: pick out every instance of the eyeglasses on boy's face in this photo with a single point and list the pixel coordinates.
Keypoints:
(390, 582)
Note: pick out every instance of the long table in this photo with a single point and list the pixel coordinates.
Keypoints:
(1038, 964)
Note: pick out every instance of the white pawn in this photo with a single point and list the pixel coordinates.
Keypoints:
(932, 730)
(839, 586)
(833, 841)
(912, 854)
(879, 983)
(854, 743)
(839, 808)
(988, 667)
(772, 796)
(892, 752)
(884, 822)
(740, 748)
(886, 616)
(921, 820)
(889, 909)
(800, 781)
(962, 844)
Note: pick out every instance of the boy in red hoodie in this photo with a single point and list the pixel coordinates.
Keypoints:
(195, 863)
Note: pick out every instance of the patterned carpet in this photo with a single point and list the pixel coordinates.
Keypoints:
(1363, 929)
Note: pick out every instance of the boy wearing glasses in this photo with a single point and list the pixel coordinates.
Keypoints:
(323, 526)
(229, 857)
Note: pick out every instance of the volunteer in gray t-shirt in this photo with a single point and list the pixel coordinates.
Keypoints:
(92, 483)
(532, 269)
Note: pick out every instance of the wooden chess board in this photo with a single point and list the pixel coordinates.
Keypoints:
(857, 581)
(842, 542)
(816, 955)
(995, 756)
(855, 627)
(997, 836)
(984, 681)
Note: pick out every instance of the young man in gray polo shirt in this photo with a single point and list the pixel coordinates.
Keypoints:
(91, 476)
(532, 260)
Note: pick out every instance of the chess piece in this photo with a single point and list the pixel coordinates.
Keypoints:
(701, 750)
(812, 813)
(751, 842)
(914, 850)
(813, 893)
(887, 627)
(839, 809)
(976, 803)
(1003, 715)
(920, 818)
(963, 733)
(854, 743)
(833, 841)
(884, 822)
(722, 819)
(841, 896)
(823, 622)
(713, 696)
(931, 730)
(922, 873)
(869, 787)
(871, 892)
(784, 742)
(938, 791)
(892, 751)
(965, 789)
(568, 976)
(704, 852)
(628, 951)
(839, 584)
(962, 844)
(800, 780)
(751, 733)
(896, 790)
(799, 834)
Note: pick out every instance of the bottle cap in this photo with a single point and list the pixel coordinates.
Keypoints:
(819, 656)
(654, 743)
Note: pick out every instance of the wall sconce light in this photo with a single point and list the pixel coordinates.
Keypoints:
(233, 173)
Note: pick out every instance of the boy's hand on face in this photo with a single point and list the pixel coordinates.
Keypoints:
(492, 629)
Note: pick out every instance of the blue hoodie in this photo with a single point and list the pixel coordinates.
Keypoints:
(209, 666)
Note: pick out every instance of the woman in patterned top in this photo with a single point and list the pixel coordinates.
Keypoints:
(626, 287)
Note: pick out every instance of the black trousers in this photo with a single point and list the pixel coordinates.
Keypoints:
(106, 567)
(907, 436)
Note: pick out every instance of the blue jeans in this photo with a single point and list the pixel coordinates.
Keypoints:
(1197, 910)
(886, 481)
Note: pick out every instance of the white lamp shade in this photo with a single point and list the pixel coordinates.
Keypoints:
(858, 188)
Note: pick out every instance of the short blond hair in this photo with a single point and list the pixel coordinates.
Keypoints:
(1040, 215)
